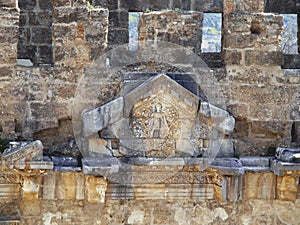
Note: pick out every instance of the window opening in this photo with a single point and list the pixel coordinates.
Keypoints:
(133, 23)
(290, 34)
(211, 32)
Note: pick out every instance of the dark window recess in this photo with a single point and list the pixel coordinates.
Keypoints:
(295, 135)
(35, 31)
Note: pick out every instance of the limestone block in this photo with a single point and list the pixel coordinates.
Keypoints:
(99, 118)
(64, 14)
(9, 34)
(58, 3)
(31, 188)
(263, 58)
(8, 3)
(30, 208)
(287, 188)
(66, 185)
(9, 191)
(249, 6)
(99, 146)
(24, 151)
(79, 186)
(95, 188)
(8, 53)
(259, 185)
(49, 186)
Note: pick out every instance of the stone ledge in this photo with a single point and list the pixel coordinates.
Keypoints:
(283, 168)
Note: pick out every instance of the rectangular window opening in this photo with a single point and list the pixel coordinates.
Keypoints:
(290, 42)
(133, 24)
(211, 33)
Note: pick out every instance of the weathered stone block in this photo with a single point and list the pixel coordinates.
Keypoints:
(64, 14)
(27, 4)
(263, 58)
(59, 3)
(41, 35)
(30, 208)
(207, 5)
(110, 4)
(267, 111)
(49, 186)
(80, 183)
(95, 188)
(118, 36)
(118, 19)
(287, 187)
(99, 146)
(232, 57)
(269, 129)
(8, 3)
(265, 95)
(9, 35)
(44, 18)
(65, 185)
(31, 188)
(24, 151)
(184, 5)
(64, 31)
(9, 53)
(43, 111)
(251, 75)
(233, 188)
(45, 5)
(259, 185)
(248, 6)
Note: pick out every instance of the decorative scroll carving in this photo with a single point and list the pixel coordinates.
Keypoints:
(200, 135)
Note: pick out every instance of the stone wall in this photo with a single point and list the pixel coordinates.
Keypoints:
(35, 31)
(262, 96)
(40, 98)
(47, 197)
(36, 103)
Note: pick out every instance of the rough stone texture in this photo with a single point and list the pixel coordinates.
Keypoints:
(41, 97)
(259, 185)
(37, 102)
(179, 28)
(35, 31)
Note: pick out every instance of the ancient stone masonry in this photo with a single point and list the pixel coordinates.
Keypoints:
(99, 134)
(35, 31)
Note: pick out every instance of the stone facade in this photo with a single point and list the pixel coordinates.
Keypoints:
(64, 40)
(71, 198)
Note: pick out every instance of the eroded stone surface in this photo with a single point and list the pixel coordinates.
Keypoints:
(159, 118)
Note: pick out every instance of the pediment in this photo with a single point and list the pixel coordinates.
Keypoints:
(163, 88)
(159, 118)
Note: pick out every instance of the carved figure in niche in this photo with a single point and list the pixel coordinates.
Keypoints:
(155, 120)
(158, 125)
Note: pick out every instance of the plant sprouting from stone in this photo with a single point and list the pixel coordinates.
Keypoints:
(91, 7)
(147, 10)
(3, 144)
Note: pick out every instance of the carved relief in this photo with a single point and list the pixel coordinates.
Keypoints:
(200, 135)
(155, 120)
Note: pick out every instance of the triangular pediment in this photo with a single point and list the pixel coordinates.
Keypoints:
(164, 88)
